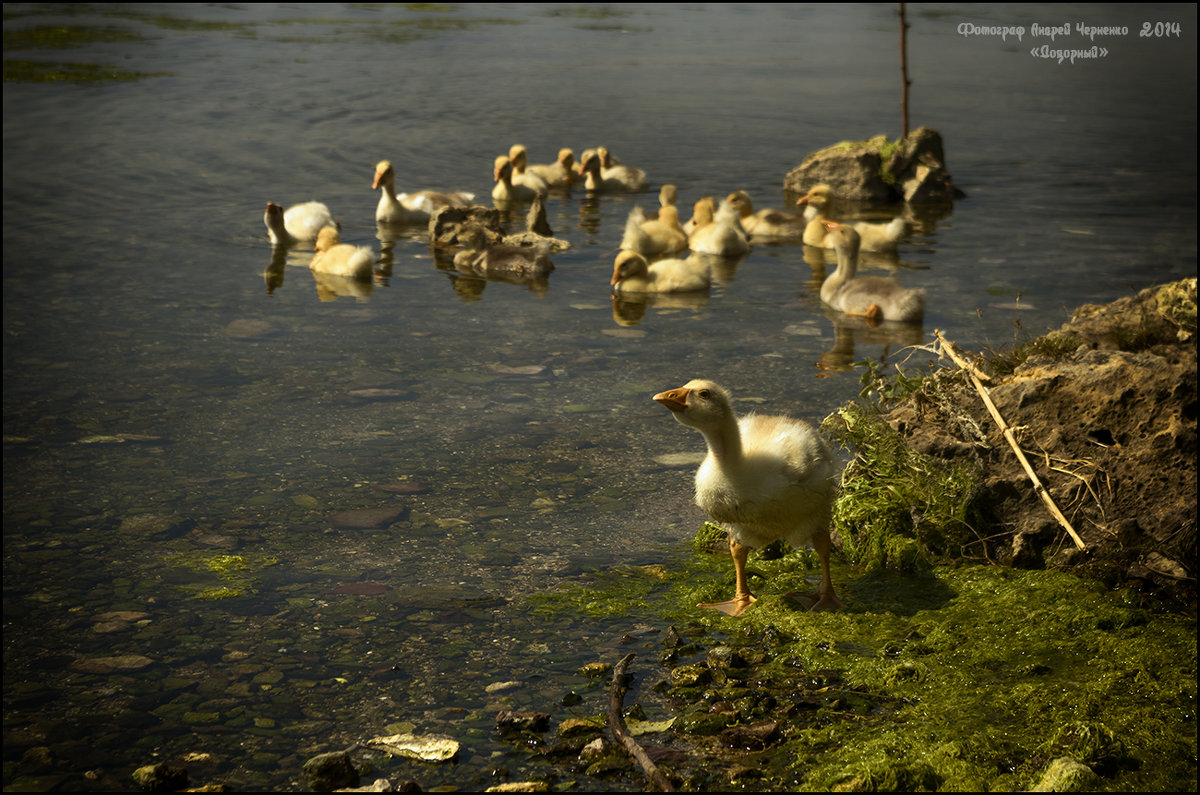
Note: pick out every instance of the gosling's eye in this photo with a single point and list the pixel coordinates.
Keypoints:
(704, 393)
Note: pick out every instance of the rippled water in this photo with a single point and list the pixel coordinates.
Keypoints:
(149, 372)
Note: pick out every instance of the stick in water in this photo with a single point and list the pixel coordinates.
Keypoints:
(616, 723)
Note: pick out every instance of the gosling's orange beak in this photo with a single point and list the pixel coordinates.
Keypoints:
(375, 182)
(674, 399)
(831, 225)
(803, 200)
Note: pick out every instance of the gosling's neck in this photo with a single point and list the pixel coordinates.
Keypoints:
(282, 237)
(387, 198)
(847, 267)
(725, 443)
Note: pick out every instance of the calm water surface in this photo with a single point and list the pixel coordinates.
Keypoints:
(164, 404)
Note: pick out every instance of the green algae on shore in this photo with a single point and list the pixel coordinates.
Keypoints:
(963, 677)
(895, 506)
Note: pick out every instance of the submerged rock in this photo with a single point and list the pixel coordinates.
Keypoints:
(161, 777)
(108, 665)
(523, 721)
(368, 518)
(327, 772)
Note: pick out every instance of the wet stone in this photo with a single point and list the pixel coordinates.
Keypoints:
(578, 727)
(160, 777)
(724, 658)
(155, 526)
(367, 518)
(327, 772)
(523, 721)
(249, 329)
(405, 487)
(596, 669)
(690, 676)
(108, 665)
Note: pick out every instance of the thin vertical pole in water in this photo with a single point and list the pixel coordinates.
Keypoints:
(904, 70)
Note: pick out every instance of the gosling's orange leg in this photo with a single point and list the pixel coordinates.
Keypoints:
(742, 598)
(873, 314)
(825, 598)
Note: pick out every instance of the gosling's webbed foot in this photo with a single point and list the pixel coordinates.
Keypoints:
(827, 602)
(817, 601)
(733, 607)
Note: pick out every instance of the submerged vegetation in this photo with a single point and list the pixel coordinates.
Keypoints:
(236, 573)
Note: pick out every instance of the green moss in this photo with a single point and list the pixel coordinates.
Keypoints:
(612, 593)
(886, 149)
(897, 507)
(966, 678)
(1055, 345)
(880, 146)
(1177, 303)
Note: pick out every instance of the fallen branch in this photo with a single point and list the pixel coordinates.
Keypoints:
(948, 349)
(616, 724)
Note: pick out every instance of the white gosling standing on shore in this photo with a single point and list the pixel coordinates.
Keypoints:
(764, 478)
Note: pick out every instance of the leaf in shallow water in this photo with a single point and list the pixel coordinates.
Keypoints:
(430, 748)
(638, 727)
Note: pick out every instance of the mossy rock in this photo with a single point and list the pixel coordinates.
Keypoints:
(880, 171)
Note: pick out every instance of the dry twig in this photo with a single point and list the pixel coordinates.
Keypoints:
(616, 724)
(948, 348)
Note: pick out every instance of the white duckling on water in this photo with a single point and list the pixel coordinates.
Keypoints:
(633, 273)
(559, 174)
(874, 297)
(766, 224)
(723, 236)
(342, 259)
(667, 196)
(511, 186)
(883, 237)
(612, 179)
(410, 208)
(764, 478)
(300, 224)
(656, 236)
